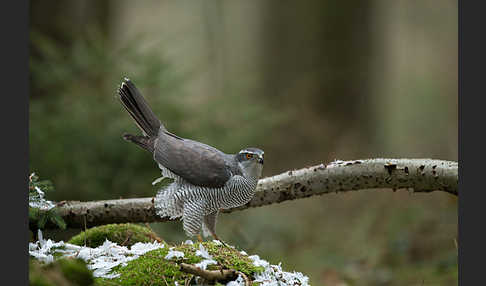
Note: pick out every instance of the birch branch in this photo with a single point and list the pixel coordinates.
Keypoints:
(416, 175)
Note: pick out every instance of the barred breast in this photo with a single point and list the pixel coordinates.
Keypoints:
(170, 200)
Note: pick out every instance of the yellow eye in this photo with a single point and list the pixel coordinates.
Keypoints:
(249, 156)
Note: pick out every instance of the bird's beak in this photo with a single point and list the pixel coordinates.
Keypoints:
(260, 160)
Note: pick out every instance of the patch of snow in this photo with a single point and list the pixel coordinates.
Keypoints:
(39, 202)
(39, 235)
(101, 259)
(217, 242)
(204, 264)
(202, 252)
(39, 191)
(174, 253)
(257, 261)
(273, 275)
(104, 272)
(140, 248)
(238, 282)
(43, 249)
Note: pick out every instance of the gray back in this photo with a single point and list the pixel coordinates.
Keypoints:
(197, 163)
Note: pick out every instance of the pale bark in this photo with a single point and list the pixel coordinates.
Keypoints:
(415, 175)
(213, 275)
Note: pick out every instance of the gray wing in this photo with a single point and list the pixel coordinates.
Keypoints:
(198, 163)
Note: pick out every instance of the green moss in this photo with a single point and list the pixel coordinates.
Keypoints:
(75, 270)
(231, 258)
(153, 269)
(36, 275)
(123, 234)
(66, 271)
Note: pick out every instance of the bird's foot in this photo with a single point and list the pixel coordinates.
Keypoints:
(222, 242)
(218, 239)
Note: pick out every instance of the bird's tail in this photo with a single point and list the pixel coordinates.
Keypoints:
(145, 142)
(135, 104)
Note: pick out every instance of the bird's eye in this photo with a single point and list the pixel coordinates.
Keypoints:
(249, 156)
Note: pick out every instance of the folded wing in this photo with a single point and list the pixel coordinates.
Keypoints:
(196, 162)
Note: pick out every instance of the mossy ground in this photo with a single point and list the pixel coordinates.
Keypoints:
(64, 271)
(123, 234)
(153, 269)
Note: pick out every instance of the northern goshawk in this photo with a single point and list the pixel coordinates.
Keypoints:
(205, 179)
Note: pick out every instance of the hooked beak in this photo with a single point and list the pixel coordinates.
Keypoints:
(260, 160)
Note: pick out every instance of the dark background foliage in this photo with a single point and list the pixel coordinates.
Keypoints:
(307, 81)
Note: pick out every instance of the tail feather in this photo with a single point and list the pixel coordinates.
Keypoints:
(145, 142)
(137, 107)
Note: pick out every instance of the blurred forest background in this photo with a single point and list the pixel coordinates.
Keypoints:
(307, 81)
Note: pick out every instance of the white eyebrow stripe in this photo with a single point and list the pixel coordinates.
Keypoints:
(251, 152)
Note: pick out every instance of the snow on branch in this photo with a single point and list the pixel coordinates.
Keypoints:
(417, 175)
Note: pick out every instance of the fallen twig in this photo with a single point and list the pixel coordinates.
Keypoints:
(210, 275)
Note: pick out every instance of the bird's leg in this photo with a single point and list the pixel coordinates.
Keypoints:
(210, 223)
(199, 237)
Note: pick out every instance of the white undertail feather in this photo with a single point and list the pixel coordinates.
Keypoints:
(166, 202)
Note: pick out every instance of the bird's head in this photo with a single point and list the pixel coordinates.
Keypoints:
(250, 161)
